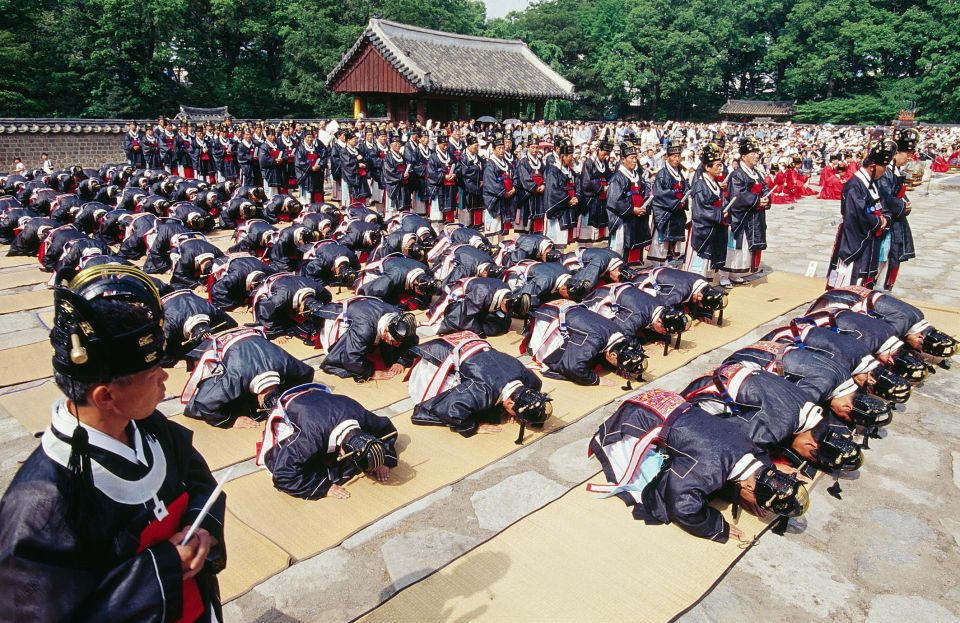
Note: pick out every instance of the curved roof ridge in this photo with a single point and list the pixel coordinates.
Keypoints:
(446, 34)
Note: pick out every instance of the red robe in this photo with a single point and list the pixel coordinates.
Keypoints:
(939, 165)
(825, 174)
(832, 186)
(797, 185)
(778, 184)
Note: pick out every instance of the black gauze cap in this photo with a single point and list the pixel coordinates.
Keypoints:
(86, 343)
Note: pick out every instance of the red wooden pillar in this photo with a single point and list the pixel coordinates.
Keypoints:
(402, 110)
(421, 110)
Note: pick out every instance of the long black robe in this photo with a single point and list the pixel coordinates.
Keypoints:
(702, 449)
(560, 187)
(624, 194)
(303, 461)
(669, 216)
(594, 180)
(348, 356)
(248, 363)
(746, 215)
(477, 398)
(708, 235)
(228, 282)
(588, 337)
(116, 563)
(468, 306)
(858, 242)
(892, 193)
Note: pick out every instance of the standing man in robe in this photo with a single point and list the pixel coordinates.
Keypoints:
(594, 180)
(498, 192)
(626, 209)
(530, 174)
(669, 209)
(92, 526)
(442, 183)
(354, 183)
(309, 169)
(707, 248)
(897, 245)
(272, 160)
(746, 213)
(131, 146)
(856, 253)
(560, 197)
(470, 171)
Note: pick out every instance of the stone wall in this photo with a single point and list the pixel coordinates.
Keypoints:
(67, 141)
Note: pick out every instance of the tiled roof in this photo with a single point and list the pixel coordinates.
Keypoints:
(450, 64)
(758, 108)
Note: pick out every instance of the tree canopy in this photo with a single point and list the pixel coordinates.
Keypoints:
(842, 60)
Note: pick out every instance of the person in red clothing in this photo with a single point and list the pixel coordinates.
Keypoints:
(797, 183)
(832, 187)
(828, 170)
(940, 164)
(776, 180)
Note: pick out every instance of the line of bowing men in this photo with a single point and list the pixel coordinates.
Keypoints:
(281, 274)
(853, 355)
(754, 430)
(239, 377)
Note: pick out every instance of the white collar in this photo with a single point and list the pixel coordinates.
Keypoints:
(120, 490)
(500, 164)
(673, 173)
(630, 175)
(383, 324)
(65, 423)
(744, 468)
(753, 174)
(711, 183)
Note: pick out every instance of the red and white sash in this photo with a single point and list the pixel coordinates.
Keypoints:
(547, 336)
(278, 426)
(454, 294)
(627, 456)
(212, 358)
(428, 380)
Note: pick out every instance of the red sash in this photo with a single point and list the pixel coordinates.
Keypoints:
(678, 190)
(135, 144)
(507, 182)
(636, 197)
(537, 179)
(757, 188)
(603, 190)
(161, 530)
(571, 190)
(447, 182)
